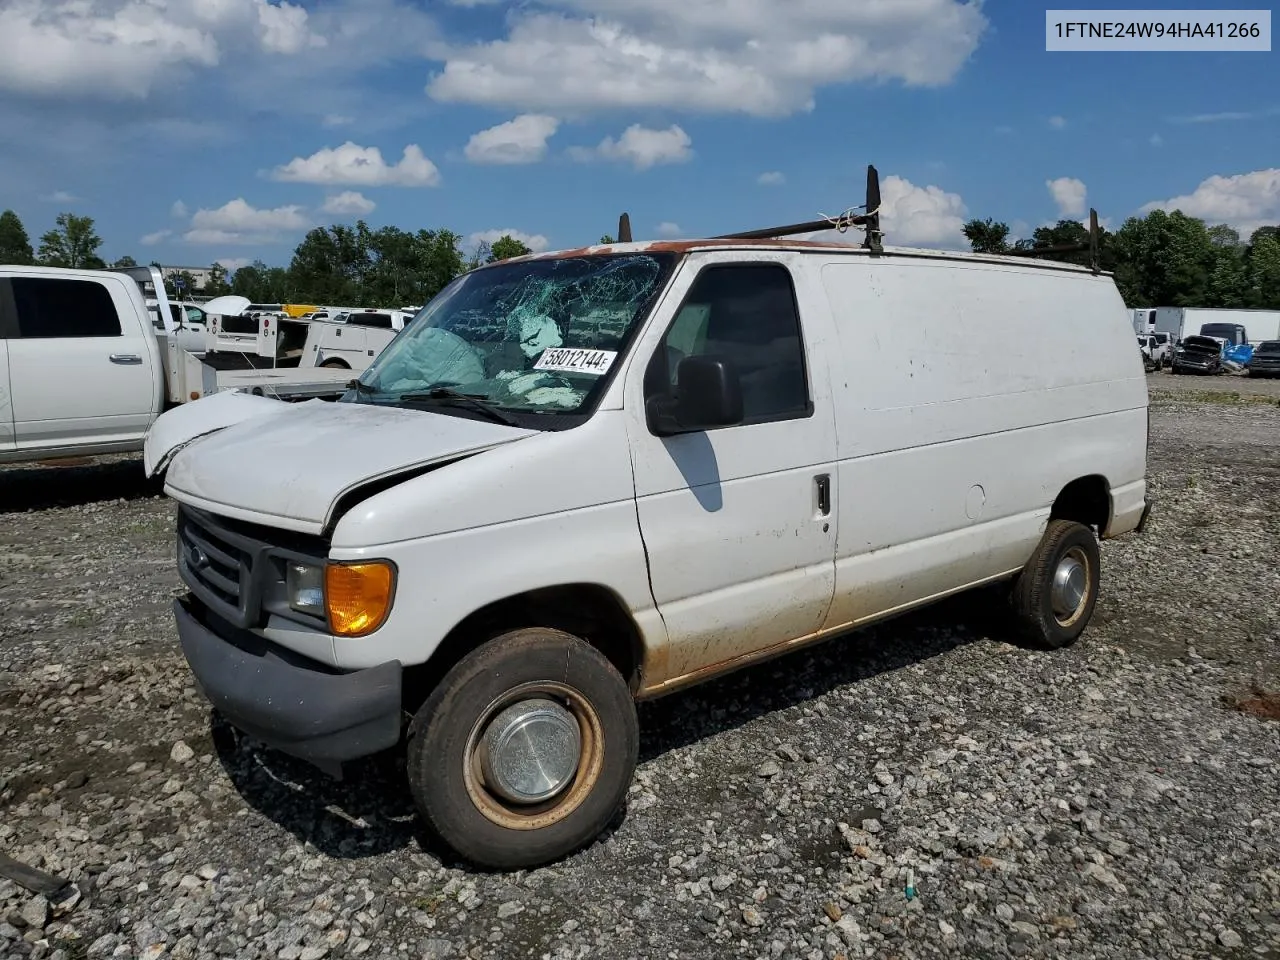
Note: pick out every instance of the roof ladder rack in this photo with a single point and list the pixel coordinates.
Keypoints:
(870, 220)
(874, 240)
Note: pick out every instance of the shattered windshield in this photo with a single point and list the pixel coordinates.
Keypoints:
(535, 337)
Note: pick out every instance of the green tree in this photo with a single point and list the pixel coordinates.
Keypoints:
(251, 282)
(506, 247)
(330, 264)
(73, 243)
(1164, 259)
(15, 245)
(607, 239)
(1262, 272)
(388, 267)
(124, 262)
(217, 285)
(1228, 281)
(987, 236)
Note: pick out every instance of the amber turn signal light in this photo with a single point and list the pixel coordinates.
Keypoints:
(357, 596)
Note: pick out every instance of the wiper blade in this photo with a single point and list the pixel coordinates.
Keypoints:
(469, 400)
(360, 387)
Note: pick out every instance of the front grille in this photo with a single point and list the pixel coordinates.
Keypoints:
(237, 569)
(217, 566)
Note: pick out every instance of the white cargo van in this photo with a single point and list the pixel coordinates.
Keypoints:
(582, 479)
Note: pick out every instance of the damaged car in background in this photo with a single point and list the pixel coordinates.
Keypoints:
(1265, 361)
(1197, 354)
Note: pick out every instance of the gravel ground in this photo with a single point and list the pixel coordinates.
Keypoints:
(922, 789)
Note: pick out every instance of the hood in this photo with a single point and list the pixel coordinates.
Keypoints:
(1200, 344)
(175, 428)
(292, 468)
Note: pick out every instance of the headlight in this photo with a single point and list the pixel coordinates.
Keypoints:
(354, 598)
(305, 585)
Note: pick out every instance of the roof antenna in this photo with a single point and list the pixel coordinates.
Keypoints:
(624, 229)
(874, 234)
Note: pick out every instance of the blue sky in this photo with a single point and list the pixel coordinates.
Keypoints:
(195, 130)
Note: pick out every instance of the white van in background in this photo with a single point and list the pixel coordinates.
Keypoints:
(582, 479)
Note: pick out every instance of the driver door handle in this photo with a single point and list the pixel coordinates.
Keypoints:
(128, 358)
(824, 493)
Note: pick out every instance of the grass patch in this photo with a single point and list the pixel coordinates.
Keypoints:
(1226, 397)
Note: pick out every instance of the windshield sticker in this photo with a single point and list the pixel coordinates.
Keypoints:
(567, 360)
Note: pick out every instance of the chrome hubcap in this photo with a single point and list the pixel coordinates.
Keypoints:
(1070, 587)
(530, 751)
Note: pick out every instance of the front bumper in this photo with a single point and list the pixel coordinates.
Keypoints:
(295, 705)
(1205, 366)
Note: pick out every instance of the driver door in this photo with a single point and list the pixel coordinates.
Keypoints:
(738, 521)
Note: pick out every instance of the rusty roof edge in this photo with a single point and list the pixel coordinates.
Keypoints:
(799, 246)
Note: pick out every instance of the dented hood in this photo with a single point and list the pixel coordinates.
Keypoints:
(175, 428)
(290, 466)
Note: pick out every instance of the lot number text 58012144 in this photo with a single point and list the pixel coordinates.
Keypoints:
(1158, 30)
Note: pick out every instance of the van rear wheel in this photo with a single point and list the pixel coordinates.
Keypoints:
(525, 750)
(1054, 596)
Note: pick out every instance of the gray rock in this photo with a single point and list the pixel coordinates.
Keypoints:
(509, 909)
(35, 913)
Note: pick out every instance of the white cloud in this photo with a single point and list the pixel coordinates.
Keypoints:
(122, 48)
(238, 222)
(351, 164)
(522, 140)
(1057, 122)
(669, 229)
(1157, 140)
(641, 147)
(1069, 194)
(348, 203)
(151, 239)
(913, 216)
(336, 120)
(232, 264)
(771, 178)
(534, 241)
(60, 196)
(179, 210)
(1246, 201)
(707, 55)
(284, 29)
(1223, 117)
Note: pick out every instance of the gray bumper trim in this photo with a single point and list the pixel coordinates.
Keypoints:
(303, 710)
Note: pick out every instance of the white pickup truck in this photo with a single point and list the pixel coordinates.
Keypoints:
(90, 358)
(349, 343)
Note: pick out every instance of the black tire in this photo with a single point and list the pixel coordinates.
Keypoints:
(1039, 624)
(336, 364)
(444, 775)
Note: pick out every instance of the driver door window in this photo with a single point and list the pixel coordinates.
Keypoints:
(745, 314)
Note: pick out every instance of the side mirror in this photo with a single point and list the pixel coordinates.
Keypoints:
(708, 394)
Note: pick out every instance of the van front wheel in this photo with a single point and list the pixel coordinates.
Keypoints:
(1054, 596)
(524, 752)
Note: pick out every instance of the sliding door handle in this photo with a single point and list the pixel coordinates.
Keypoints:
(823, 481)
(125, 358)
